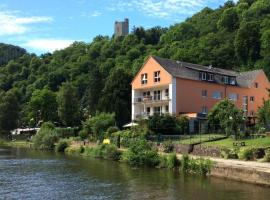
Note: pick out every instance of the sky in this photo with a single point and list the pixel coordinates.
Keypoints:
(42, 26)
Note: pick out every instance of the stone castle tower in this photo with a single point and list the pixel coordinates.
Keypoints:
(121, 28)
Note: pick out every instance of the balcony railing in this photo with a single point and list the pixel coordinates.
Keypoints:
(146, 99)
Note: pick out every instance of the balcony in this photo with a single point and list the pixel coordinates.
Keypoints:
(151, 99)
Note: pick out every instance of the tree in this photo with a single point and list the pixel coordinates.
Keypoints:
(116, 96)
(43, 106)
(264, 114)
(9, 111)
(99, 124)
(226, 116)
(163, 124)
(68, 105)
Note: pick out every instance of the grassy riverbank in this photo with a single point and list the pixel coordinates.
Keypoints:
(16, 143)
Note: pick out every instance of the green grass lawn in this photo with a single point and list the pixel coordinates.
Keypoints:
(259, 142)
(199, 138)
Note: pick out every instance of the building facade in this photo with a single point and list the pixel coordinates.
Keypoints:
(180, 88)
(121, 28)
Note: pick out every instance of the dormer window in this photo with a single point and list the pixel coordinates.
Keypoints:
(211, 77)
(157, 76)
(225, 79)
(204, 76)
(232, 81)
(144, 79)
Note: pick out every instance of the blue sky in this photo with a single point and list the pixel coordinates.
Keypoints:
(46, 25)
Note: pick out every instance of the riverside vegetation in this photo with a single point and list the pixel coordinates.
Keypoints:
(139, 152)
(70, 84)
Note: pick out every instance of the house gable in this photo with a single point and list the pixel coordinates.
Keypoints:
(149, 67)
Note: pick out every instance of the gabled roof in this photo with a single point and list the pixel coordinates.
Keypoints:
(190, 71)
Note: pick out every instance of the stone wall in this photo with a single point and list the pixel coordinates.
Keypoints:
(241, 174)
(206, 151)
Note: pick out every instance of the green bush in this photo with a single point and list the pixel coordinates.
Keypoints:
(168, 146)
(74, 150)
(61, 145)
(99, 124)
(46, 137)
(230, 153)
(83, 134)
(107, 151)
(246, 154)
(266, 157)
(140, 153)
(196, 166)
(112, 129)
(162, 161)
(172, 161)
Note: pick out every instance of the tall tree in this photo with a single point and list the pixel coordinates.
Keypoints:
(68, 105)
(43, 105)
(9, 111)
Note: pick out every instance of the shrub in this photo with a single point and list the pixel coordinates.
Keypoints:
(172, 161)
(266, 157)
(61, 145)
(140, 153)
(245, 154)
(83, 134)
(74, 150)
(45, 137)
(162, 161)
(163, 124)
(112, 129)
(196, 166)
(107, 151)
(168, 146)
(98, 124)
(230, 153)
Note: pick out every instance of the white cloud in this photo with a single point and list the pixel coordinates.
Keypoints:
(95, 13)
(12, 24)
(47, 45)
(160, 8)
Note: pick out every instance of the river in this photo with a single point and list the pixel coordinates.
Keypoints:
(28, 174)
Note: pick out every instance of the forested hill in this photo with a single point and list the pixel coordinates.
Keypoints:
(10, 52)
(234, 36)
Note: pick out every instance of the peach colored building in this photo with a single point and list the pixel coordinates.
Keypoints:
(180, 88)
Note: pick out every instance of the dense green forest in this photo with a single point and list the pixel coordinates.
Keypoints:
(97, 75)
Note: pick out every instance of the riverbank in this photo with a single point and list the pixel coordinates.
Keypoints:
(244, 171)
(16, 143)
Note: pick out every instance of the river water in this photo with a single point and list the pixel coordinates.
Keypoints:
(28, 174)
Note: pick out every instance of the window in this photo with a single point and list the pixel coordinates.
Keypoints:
(211, 77)
(157, 110)
(245, 104)
(217, 95)
(144, 79)
(157, 95)
(203, 76)
(252, 98)
(167, 92)
(256, 85)
(146, 94)
(232, 81)
(157, 76)
(204, 93)
(233, 96)
(225, 79)
(148, 110)
(204, 110)
(167, 109)
(252, 113)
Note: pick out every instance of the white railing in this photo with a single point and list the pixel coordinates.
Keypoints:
(151, 99)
